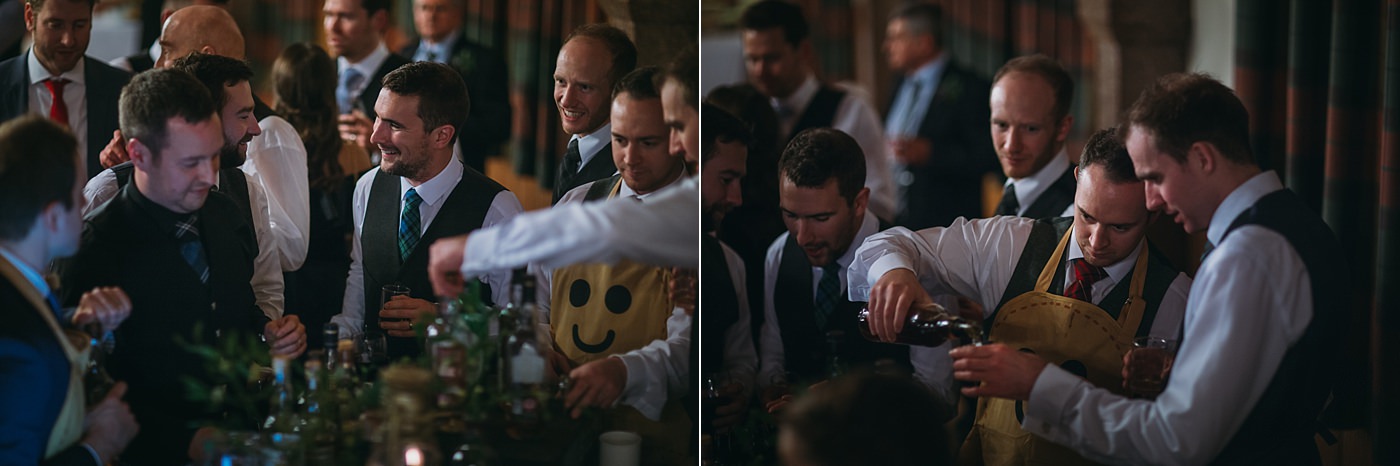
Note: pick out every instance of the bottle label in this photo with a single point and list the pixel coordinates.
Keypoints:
(527, 367)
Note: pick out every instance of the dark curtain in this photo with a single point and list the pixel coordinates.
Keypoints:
(1322, 111)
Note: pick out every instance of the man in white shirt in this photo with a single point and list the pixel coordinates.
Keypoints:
(1031, 96)
(56, 79)
(592, 60)
(419, 193)
(1260, 340)
(776, 51)
(354, 31)
(1095, 269)
(807, 316)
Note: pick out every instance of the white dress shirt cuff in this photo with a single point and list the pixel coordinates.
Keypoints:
(481, 244)
(881, 266)
(1048, 397)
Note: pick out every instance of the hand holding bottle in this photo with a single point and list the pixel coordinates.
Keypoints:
(110, 425)
(107, 306)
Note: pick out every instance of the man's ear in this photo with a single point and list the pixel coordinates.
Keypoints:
(442, 136)
(29, 15)
(1203, 156)
(139, 154)
(862, 199)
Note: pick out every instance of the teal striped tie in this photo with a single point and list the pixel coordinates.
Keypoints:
(409, 224)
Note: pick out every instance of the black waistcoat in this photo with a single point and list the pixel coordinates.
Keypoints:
(721, 302)
(231, 182)
(1280, 426)
(820, 112)
(1045, 236)
(805, 349)
(1055, 199)
(463, 211)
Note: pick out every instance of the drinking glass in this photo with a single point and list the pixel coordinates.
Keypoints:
(1149, 363)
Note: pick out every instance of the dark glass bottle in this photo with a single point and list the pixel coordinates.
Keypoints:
(96, 381)
(721, 447)
(929, 325)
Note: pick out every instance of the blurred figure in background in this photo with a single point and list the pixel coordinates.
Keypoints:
(863, 419)
(299, 79)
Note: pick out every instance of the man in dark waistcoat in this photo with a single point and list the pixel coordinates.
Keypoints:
(823, 199)
(1031, 98)
(183, 254)
(417, 194)
(1256, 363)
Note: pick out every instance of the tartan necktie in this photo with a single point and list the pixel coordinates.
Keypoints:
(409, 224)
(828, 293)
(59, 110)
(191, 248)
(1085, 275)
(1009, 205)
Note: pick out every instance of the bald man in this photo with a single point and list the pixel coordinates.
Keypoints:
(276, 158)
(146, 59)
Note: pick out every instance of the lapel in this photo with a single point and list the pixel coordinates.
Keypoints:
(15, 78)
(40, 305)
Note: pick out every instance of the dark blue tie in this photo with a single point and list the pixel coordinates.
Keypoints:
(191, 248)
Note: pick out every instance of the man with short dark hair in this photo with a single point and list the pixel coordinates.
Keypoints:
(1256, 364)
(592, 60)
(417, 194)
(56, 79)
(1075, 289)
(823, 198)
(935, 123)
(42, 359)
(1030, 102)
(184, 255)
(776, 55)
(442, 39)
(354, 32)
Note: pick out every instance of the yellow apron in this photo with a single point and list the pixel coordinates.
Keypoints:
(1061, 330)
(68, 428)
(600, 310)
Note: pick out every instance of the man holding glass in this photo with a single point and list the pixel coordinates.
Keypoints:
(1074, 290)
(936, 125)
(1256, 365)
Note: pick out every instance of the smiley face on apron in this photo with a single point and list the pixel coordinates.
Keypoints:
(601, 310)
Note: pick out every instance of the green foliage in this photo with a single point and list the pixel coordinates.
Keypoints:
(231, 387)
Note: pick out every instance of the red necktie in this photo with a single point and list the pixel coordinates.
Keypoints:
(59, 110)
(1085, 275)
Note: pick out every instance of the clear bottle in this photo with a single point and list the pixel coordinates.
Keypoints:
(283, 426)
(406, 438)
(720, 442)
(929, 325)
(346, 384)
(835, 364)
(321, 424)
(330, 337)
(524, 363)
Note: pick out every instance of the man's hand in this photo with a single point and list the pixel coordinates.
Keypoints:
(731, 414)
(775, 396)
(597, 383)
(557, 363)
(356, 127)
(890, 300)
(286, 336)
(106, 305)
(115, 152)
(397, 315)
(109, 426)
(912, 152)
(682, 289)
(445, 265)
(1002, 371)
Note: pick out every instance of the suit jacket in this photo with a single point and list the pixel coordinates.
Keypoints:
(125, 245)
(104, 87)
(376, 82)
(33, 377)
(950, 184)
(488, 86)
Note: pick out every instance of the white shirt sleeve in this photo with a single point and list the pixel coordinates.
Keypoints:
(1250, 301)
(352, 309)
(662, 231)
(771, 365)
(857, 118)
(277, 159)
(268, 288)
(661, 363)
(99, 190)
(740, 359)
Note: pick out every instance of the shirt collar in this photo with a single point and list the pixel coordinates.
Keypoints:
(369, 65)
(436, 189)
(624, 191)
(28, 272)
(1118, 270)
(1239, 200)
(1030, 188)
(588, 146)
(442, 48)
(37, 72)
(930, 71)
(799, 99)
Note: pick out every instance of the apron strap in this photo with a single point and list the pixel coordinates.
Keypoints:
(1052, 266)
(1131, 315)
